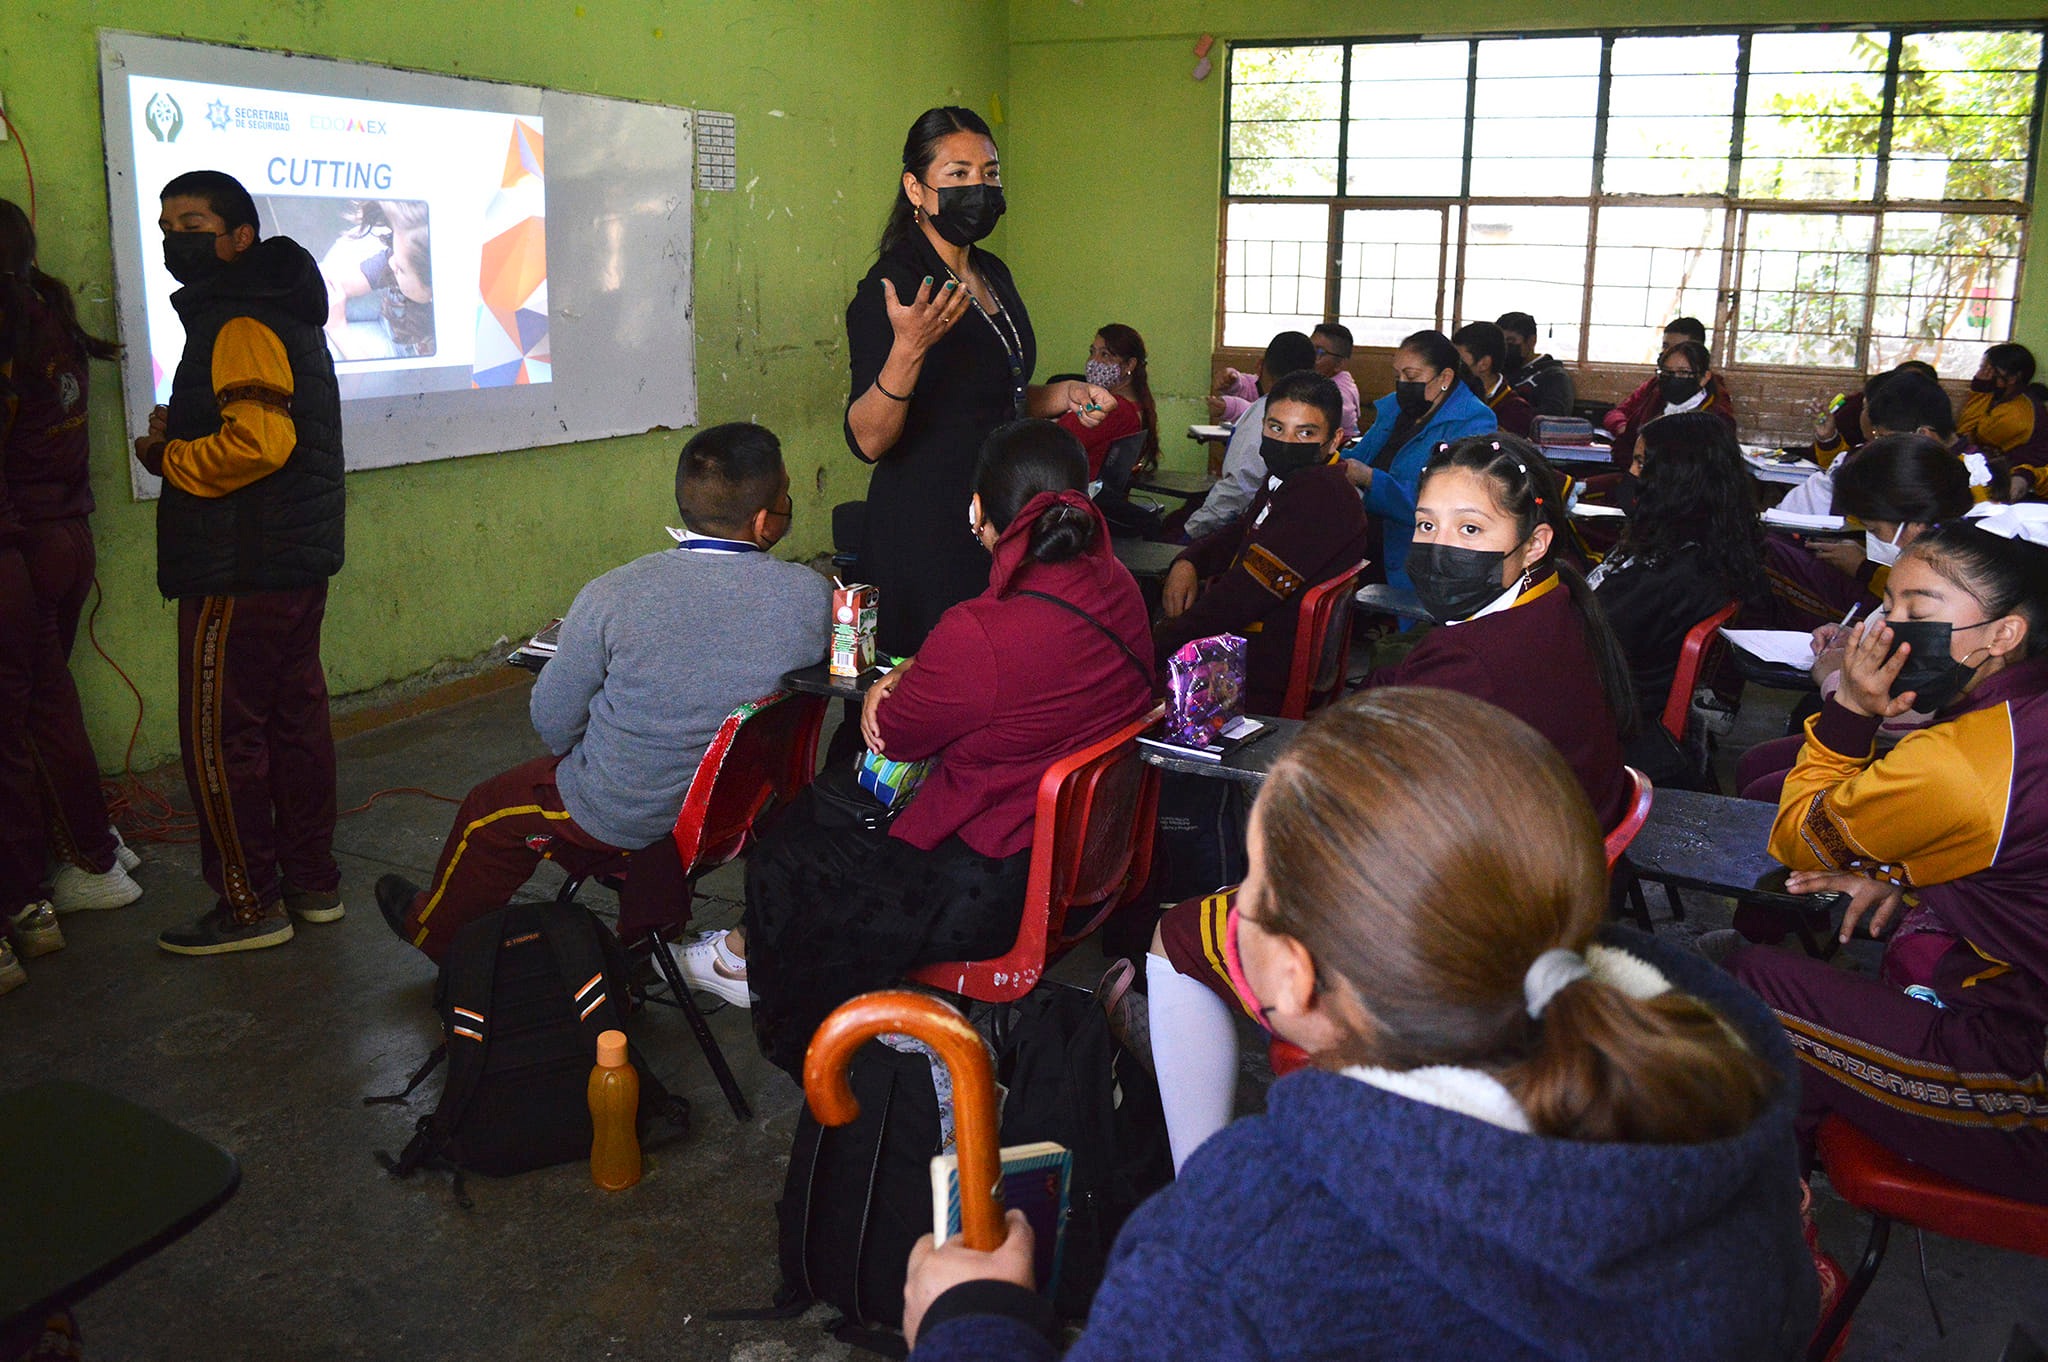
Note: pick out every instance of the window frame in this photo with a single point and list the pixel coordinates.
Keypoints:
(1736, 208)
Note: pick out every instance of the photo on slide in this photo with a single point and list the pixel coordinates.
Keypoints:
(377, 258)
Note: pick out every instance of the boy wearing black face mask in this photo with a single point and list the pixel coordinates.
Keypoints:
(1305, 525)
(248, 532)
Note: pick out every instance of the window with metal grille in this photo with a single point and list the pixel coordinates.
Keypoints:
(1847, 198)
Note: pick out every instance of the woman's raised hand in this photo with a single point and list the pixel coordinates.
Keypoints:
(920, 323)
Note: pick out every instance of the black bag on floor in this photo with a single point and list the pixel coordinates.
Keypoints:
(523, 994)
(857, 1197)
(1071, 1081)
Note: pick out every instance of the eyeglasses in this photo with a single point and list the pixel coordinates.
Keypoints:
(1678, 373)
(1322, 353)
(786, 511)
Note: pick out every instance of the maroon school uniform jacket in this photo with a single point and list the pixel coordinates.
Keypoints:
(1534, 661)
(1625, 423)
(1511, 409)
(1807, 592)
(1299, 532)
(45, 468)
(1007, 684)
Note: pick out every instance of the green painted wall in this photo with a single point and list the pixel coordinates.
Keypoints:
(445, 557)
(1114, 211)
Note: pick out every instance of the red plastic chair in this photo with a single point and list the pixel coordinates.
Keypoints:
(1321, 638)
(1091, 848)
(1701, 641)
(761, 757)
(1874, 1179)
(1285, 1056)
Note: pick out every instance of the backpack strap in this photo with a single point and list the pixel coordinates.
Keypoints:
(1100, 628)
(419, 1076)
(592, 968)
(468, 981)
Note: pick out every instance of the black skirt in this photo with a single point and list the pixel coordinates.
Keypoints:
(835, 912)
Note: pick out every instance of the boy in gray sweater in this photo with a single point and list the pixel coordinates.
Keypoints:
(653, 656)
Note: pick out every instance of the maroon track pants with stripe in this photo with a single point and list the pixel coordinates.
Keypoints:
(1961, 1089)
(60, 559)
(259, 754)
(506, 826)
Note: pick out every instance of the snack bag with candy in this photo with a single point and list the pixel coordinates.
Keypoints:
(1204, 689)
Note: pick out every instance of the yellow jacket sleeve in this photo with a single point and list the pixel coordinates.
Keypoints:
(1930, 811)
(252, 381)
(1997, 427)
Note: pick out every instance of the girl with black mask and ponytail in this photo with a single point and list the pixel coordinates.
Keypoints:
(941, 351)
(1942, 843)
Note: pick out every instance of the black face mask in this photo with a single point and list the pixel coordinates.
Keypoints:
(967, 212)
(1454, 583)
(189, 256)
(1284, 456)
(1984, 385)
(1627, 488)
(1934, 677)
(1411, 397)
(1513, 357)
(1677, 388)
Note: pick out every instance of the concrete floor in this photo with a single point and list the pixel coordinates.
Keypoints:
(322, 1257)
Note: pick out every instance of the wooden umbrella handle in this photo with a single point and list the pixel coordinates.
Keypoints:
(897, 1011)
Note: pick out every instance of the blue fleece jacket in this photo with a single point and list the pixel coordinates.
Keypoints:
(1351, 1222)
(1391, 498)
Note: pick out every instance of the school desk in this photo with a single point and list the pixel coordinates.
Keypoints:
(1247, 766)
(90, 1185)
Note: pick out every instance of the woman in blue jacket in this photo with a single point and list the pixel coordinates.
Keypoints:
(1431, 405)
(1523, 1137)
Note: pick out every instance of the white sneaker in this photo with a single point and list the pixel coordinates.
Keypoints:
(698, 958)
(124, 856)
(12, 975)
(80, 891)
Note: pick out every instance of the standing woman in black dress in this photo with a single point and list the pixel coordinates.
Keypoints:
(942, 353)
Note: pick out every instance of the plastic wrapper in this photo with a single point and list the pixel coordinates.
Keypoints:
(1204, 690)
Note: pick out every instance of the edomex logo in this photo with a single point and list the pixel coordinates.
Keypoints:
(166, 120)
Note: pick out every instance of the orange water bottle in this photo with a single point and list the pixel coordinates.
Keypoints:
(614, 1115)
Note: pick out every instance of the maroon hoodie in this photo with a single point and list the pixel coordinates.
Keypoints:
(45, 470)
(1007, 684)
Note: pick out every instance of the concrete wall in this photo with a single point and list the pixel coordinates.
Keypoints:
(445, 557)
(1116, 209)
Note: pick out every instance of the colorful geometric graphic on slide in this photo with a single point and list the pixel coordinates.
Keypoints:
(512, 316)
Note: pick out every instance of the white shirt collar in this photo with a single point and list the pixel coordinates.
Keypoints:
(1500, 603)
(706, 543)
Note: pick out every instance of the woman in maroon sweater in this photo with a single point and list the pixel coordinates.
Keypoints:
(1054, 656)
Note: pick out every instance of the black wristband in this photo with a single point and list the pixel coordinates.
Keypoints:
(892, 396)
(990, 1297)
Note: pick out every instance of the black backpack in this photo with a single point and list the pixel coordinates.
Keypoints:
(523, 994)
(1071, 1081)
(856, 1198)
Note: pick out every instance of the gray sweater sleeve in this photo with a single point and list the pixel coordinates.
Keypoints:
(560, 706)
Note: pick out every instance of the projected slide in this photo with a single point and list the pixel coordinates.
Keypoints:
(429, 223)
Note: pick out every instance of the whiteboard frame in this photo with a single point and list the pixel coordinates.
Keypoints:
(620, 247)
